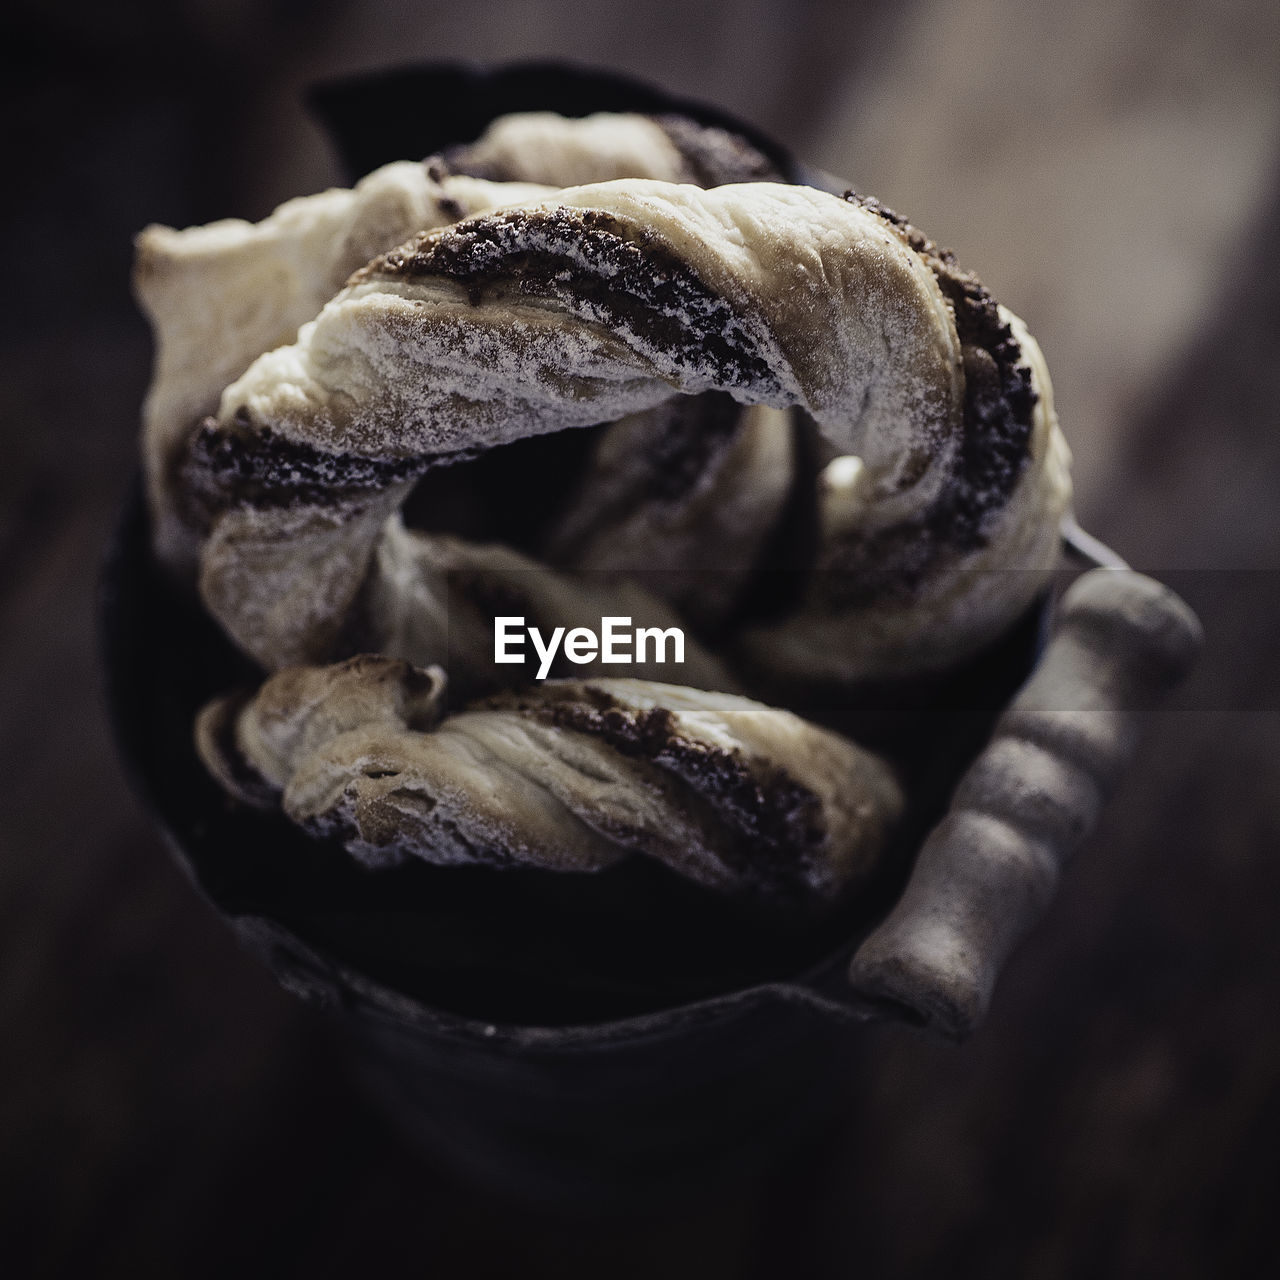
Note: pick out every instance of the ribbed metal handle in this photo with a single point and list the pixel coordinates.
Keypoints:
(989, 869)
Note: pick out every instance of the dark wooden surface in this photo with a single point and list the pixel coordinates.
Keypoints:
(165, 1110)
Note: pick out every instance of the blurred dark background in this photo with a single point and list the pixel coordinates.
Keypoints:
(1112, 170)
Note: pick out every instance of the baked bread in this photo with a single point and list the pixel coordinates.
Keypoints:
(566, 776)
(780, 417)
(257, 283)
(939, 506)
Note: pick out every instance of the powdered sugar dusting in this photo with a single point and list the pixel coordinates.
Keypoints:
(609, 299)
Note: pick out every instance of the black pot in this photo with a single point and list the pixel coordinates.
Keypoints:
(415, 111)
(593, 1038)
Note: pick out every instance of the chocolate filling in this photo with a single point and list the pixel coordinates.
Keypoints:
(599, 268)
(260, 468)
(608, 271)
(716, 156)
(996, 431)
(763, 825)
(633, 282)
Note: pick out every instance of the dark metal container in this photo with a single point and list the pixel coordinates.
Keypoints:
(596, 1040)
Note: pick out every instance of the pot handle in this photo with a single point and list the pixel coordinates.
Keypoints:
(987, 872)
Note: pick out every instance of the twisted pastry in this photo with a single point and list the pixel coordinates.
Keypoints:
(924, 589)
(257, 283)
(674, 332)
(603, 302)
(568, 776)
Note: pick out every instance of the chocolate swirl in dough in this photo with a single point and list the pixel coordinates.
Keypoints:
(681, 329)
(220, 295)
(569, 776)
(603, 302)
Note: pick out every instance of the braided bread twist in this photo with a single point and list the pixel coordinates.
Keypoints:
(568, 776)
(601, 303)
(220, 295)
(758, 349)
